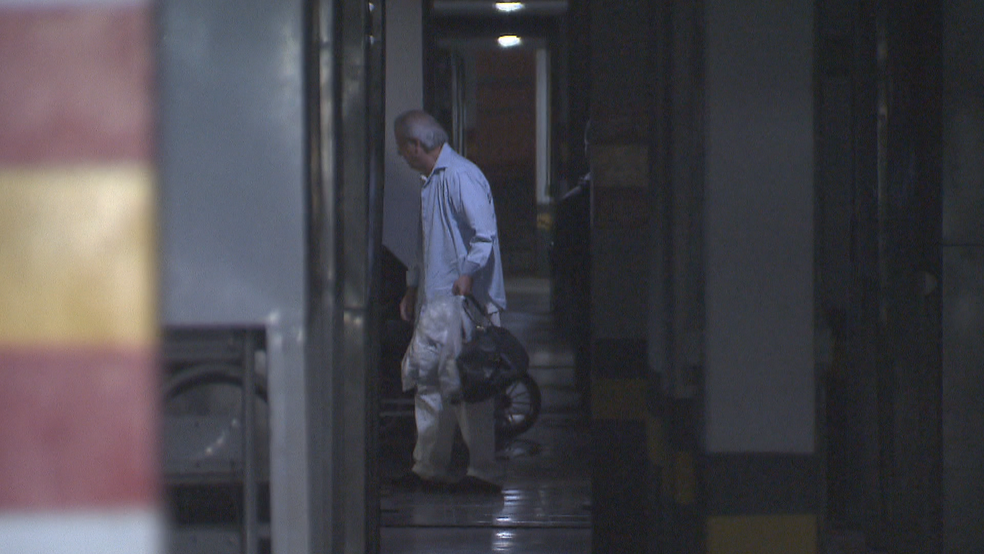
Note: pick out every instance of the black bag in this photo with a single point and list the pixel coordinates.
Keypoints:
(492, 360)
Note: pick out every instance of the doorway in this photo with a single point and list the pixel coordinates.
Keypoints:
(500, 110)
(486, 96)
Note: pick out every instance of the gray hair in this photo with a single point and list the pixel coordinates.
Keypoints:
(420, 125)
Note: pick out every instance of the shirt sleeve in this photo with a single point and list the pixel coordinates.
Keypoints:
(479, 214)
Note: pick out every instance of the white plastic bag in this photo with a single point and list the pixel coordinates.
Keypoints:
(436, 342)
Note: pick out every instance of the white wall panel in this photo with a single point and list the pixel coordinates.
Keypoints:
(760, 381)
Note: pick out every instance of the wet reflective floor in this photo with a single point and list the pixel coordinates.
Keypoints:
(545, 503)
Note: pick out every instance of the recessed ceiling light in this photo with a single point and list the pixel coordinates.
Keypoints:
(507, 41)
(509, 6)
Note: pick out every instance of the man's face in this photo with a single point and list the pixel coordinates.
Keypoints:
(411, 151)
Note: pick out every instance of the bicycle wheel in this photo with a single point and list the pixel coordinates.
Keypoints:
(517, 408)
(210, 374)
(203, 418)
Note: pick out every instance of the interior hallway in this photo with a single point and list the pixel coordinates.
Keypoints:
(545, 504)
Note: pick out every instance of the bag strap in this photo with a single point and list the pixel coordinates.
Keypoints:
(470, 299)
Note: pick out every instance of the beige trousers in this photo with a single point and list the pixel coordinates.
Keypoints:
(437, 421)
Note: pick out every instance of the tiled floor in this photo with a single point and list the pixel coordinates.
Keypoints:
(545, 504)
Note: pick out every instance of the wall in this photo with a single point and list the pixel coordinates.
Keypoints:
(759, 232)
(404, 91)
(760, 472)
(233, 164)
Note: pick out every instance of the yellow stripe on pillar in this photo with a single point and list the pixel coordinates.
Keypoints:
(678, 467)
(78, 255)
(656, 441)
(79, 448)
(618, 399)
(684, 478)
(762, 534)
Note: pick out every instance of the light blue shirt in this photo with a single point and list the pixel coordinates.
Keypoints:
(458, 234)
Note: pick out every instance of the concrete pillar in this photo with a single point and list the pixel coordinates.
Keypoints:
(847, 258)
(676, 321)
(78, 294)
(621, 111)
(704, 376)
(878, 266)
(907, 354)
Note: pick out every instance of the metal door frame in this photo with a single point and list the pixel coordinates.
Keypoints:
(344, 228)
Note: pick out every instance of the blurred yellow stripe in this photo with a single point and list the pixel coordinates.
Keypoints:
(684, 478)
(78, 255)
(760, 534)
(656, 441)
(618, 399)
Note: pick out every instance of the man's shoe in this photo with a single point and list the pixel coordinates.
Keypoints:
(473, 484)
(410, 481)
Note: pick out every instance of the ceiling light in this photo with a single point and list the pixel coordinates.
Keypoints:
(509, 6)
(508, 41)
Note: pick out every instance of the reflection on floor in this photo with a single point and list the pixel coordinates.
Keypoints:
(545, 504)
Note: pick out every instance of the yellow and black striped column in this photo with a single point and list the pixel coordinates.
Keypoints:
(78, 308)
(625, 481)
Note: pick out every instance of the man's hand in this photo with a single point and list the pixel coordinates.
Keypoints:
(408, 303)
(462, 286)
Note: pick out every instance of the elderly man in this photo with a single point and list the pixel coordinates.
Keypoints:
(458, 254)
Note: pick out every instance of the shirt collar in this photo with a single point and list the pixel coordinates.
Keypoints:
(444, 158)
(442, 162)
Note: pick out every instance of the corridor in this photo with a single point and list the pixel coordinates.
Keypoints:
(545, 506)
